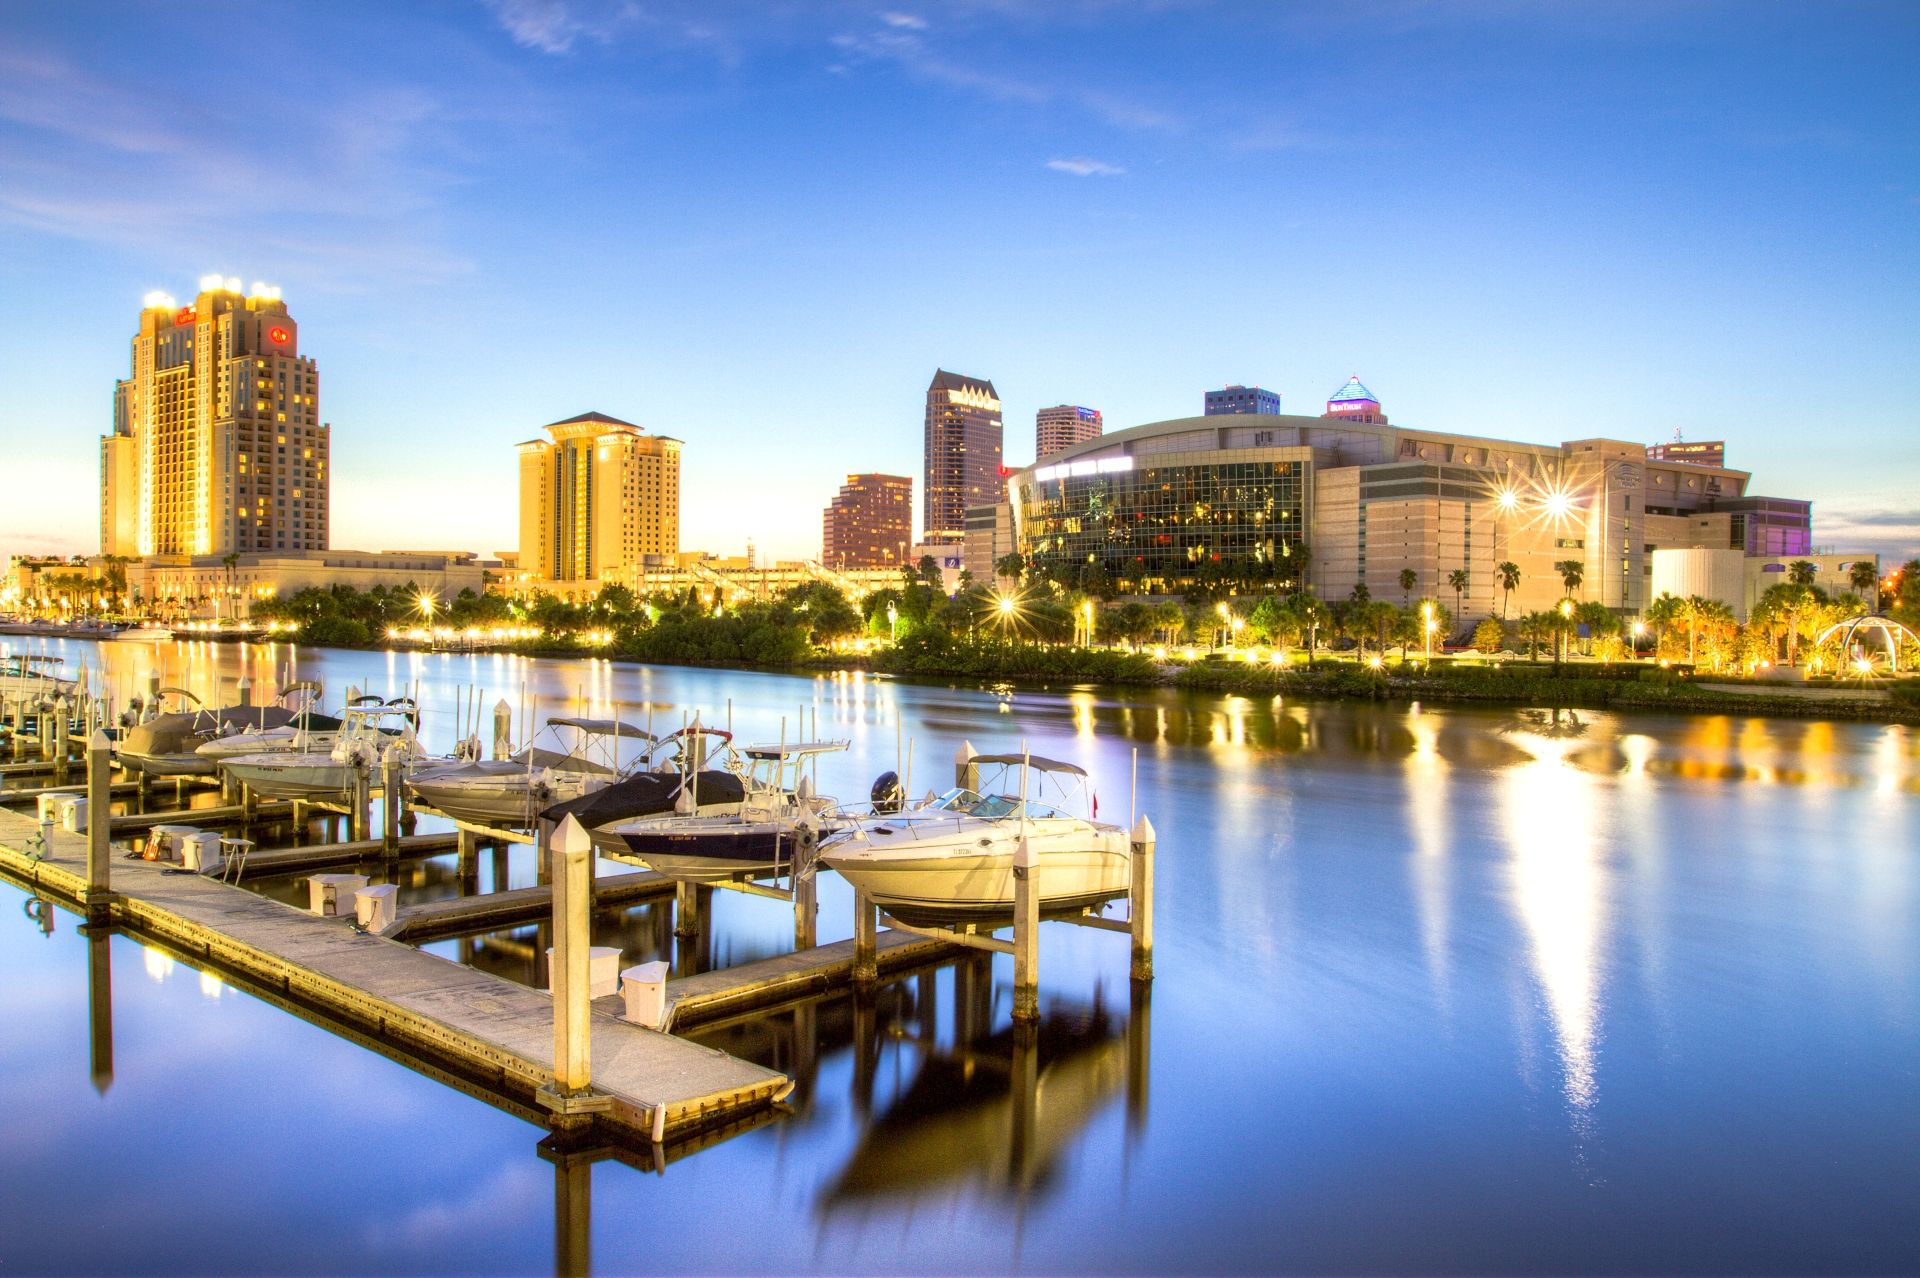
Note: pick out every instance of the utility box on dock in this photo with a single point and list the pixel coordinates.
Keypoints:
(645, 988)
(374, 906)
(73, 813)
(331, 895)
(199, 851)
(603, 970)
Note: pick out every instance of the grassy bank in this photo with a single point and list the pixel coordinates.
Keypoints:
(1616, 688)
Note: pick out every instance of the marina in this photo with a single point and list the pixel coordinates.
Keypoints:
(1407, 959)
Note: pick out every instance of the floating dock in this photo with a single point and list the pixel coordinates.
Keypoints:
(658, 1087)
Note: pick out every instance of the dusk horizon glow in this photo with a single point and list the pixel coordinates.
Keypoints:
(761, 230)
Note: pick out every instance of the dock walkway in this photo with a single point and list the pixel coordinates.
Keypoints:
(658, 1085)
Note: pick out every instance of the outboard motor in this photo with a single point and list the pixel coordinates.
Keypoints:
(887, 794)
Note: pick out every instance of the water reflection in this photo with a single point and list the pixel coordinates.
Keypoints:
(1559, 892)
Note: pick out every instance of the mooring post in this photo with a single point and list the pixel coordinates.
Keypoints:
(502, 729)
(99, 826)
(1026, 933)
(686, 909)
(542, 866)
(360, 802)
(966, 773)
(469, 863)
(1139, 1055)
(1140, 900)
(243, 691)
(153, 694)
(390, 794)
(866, 940)
(1023, 1155)
(48, 717)
(806, 897)
(571, 849)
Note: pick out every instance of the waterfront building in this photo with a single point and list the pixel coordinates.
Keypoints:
(1737, 578)
(989, 539)
(1705, 452)
(1359, 500)
(1232, 400)
(1059, 428)
(217, 443)
(209, 586)
(869, 523)
(963, 444)
(596, 497)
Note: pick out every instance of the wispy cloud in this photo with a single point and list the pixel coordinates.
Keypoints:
(905, 21)
(1082, 166)
(1888, 531)
(347, 192)
(907, 46)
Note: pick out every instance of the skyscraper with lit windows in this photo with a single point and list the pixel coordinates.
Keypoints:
(963, 441)
(217, 445)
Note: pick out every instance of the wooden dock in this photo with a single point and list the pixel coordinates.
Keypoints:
(463, 915)
(655, 1086)
(785, 977)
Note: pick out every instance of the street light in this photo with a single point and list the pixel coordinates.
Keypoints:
(1087, 610)
(893, 623)
(1639, 632)
(1560, 633)
(1426, 611)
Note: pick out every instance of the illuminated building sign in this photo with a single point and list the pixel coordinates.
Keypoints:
(184, 315)
(1353, 405)
(279, 335)
(1099, 466)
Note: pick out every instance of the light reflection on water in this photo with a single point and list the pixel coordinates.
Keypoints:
(1440, 988)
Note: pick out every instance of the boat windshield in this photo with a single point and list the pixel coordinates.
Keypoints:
(1000, 807)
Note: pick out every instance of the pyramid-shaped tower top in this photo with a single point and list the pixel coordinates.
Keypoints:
(1352, 393)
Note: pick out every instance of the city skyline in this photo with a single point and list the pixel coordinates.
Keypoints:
(1661, 242)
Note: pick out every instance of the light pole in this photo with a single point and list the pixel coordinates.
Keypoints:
(1226, 618)
(1639, 632)
(1560, 634)
(893, 623)
(1426, 613)
(1086, 610)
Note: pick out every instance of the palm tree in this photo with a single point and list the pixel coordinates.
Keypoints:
(1801, 572)
(1509, 574)
(1864, 577)
(1458, 580)
(1408, 578)
(1663, 613)
(1572, 573)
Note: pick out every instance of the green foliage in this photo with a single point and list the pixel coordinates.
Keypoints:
(1489, 635)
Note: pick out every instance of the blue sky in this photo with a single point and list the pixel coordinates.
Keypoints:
(760, 227)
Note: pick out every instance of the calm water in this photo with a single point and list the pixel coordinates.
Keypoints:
(1439, 990)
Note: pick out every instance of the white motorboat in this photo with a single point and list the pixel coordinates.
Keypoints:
(146, 632)
(168, 744)
(774, 827)
(26, 676)
(307, 729)
(514, 790)
(366, 734)
(951, 861)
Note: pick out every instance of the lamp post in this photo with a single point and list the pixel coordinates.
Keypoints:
(1639, 632)
(1086, 610)
(1226, 618)
(893, 623)
(1426, 613)
(1560, 634)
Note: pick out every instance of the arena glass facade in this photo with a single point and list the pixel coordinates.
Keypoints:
(1165, 521)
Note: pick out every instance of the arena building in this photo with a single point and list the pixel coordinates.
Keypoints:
(1246, 500)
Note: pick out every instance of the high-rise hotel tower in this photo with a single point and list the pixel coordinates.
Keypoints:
(962, 455)
(597, 497)
(217, 445)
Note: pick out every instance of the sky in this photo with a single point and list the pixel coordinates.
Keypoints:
(760, 227)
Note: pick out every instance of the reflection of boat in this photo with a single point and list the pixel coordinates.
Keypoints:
(364, 738)
(777, 815)
(510, 791)
(953, 860)
(967, 1118)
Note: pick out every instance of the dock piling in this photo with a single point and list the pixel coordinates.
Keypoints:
(99, 824)
(686, 909)
(1140, 900)
(360, 802)
(390, 796)
(966, 773)
(866, 941)
(502, 729)
(1026, 934)
(571, 849)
